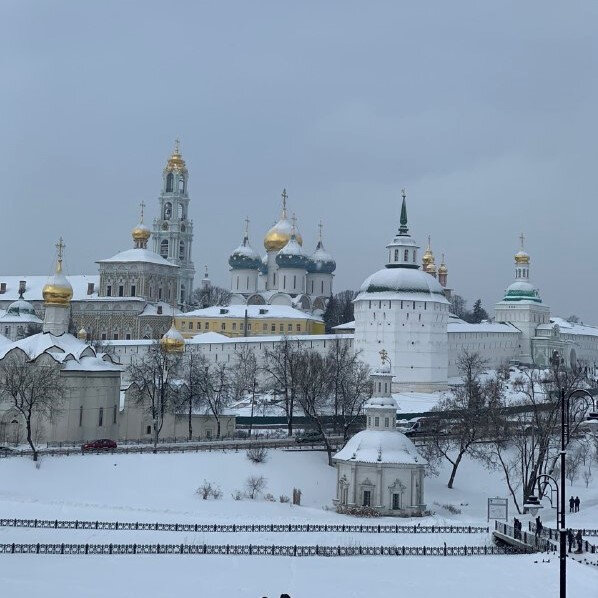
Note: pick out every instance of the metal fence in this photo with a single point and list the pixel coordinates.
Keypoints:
(244, 528)
(553, 534)
(531, 540)
(259, 550)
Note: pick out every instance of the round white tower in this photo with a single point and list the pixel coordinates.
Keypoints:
(403, 310)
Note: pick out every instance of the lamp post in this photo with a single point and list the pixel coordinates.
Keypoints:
(533, 504)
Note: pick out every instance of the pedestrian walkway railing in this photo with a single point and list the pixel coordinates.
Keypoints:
(531, 540)
(253, 549)
(553, 534)
(245, 527)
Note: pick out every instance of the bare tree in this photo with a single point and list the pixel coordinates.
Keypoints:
(525, 442)
(339, 360)
(214, 388)
(207, 296)
(247, 374)
(464, 415)
(313, 393)
(281, 365)
(255, 485)
(34, 388)
(573, 463)
(153, 386)
(189, 392)
(355, 390)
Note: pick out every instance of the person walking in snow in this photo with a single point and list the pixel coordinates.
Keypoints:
(579, 540)
(571, 504)
(577, 503)
(570, 538)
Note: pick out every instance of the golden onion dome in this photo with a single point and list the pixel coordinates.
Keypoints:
(176, 162)
(428, 256)
(82, 334)
(172, 341)
(430, 268)
(279, 235)
(141, 232)
(522, 257)
(442, 269)
(58, 290)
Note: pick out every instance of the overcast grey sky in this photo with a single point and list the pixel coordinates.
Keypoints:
(484, 111)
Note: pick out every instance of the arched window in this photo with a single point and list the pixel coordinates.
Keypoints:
(396, 255)
(182, 185)
(169, 182)
(182, 250)
(167, 211)
(406, 256)
(164, 248)
(182, 293)
(180, 212)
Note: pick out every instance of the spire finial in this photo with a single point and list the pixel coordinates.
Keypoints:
(429, 243)
(403, 229)
(383, 356)
(142, 206)
(246, 225)
(320, 227)
(522, 240)
(294, 224)
(206, 271)
(284, 202)
(177, 146)
(60, 246)
(442, 263)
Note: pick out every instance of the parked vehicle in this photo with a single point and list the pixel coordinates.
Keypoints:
(309, 436)
(104, 444)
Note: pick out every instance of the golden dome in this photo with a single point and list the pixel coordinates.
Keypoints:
(82, 334)
(172, 341)
(442, 269)
(428, 256)
(430, 268)
(141, 232)
(58, 290)
(279, 235)
(521, 257)
(176, 162)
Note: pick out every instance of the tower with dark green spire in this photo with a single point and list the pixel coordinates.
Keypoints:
(402, 250)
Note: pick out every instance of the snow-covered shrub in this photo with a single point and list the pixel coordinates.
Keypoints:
(254, 485)
(206, 490)
(257, 454)
(269, 497)
(357, 511)
(237, 495)
(452, 509)
(284, 498)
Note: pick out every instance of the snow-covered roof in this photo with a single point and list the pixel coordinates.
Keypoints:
(35, 284)
(4, 341)
(570, 327)
(138, 255)
(410, 284)
(66, 349)
(345, 326)
(456, 325)
(253, 311)
(151, 309)
(377, 446)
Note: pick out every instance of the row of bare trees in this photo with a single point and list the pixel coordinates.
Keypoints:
(330, 389)
(511, 425)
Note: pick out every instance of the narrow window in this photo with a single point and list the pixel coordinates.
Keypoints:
(322, 287)
(109, 291)
(148, 430)
(396, 502)
(164, 248)
(386, 422)
(128, 336)
(396, 255)
(169, 182)
(284, 282)
(133, 290)
(115, 336)
(101, 417)
(190, 325)
(281, 327)
(223, 326)
(234, 325)
(294, 281)
(376, 421)
(114, 414)
(206, 325)
(298, 327)
(367, 498)
(290, 328)
(81, 416)
(104, 336)
(273, 328)
(406, 255)
(121, 290)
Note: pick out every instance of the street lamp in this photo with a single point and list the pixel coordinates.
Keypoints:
(532, 504)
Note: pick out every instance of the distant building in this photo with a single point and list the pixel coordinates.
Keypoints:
(249, 320)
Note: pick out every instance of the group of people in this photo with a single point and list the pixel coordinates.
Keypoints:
(575, 537)
(572, 537)
(574, 504)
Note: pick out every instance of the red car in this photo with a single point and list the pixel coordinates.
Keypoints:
(99, 445)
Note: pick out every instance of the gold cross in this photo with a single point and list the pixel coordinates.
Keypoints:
(60, 246)
(320, 226)
(142, 205)
(522, 239)
(177, 144)
(294, 221)
(246, 225)
(383, 355)
(284, 202)
(403, 193)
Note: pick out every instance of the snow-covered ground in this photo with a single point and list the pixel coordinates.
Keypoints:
(162, 487)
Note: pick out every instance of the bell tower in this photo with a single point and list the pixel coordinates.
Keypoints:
(173, 230)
